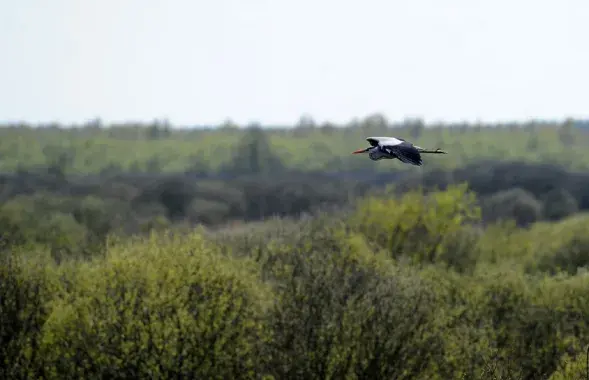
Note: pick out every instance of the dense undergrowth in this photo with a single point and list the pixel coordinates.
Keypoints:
(404, 287)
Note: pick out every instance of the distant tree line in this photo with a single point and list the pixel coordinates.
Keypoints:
(306, 146)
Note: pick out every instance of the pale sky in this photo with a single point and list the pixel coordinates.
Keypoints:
(200, 62)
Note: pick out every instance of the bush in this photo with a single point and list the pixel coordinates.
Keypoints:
(409, 286)
(575, 369)
(343, 312)
(165, 307)
(523, 335)
(516, 204)
(25, 291)
(426, 228)
(559, 203)
(563, 246)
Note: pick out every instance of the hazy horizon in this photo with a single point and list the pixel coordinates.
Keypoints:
(199, 63)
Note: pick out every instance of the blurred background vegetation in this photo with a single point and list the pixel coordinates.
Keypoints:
(146, 251)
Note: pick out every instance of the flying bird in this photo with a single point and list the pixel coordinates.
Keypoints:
(395, 147)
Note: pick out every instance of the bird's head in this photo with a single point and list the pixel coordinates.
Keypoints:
(373, 141)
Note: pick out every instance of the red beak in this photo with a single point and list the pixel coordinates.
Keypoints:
(359, 151)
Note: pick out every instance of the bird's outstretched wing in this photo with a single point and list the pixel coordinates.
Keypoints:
(405, 151)
(379, 140)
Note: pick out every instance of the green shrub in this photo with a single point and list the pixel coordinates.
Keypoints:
(513, 204)
(575, 369)
(24, 221)
(427, 228)
(342, 311)
(524, 334)
(401, 287)
(504, 245)
(561, 246)
(568, 297)
(25, 290)
(164, 307)
(499, 325)
(559, 203)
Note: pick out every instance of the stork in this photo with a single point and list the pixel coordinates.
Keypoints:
(395, 147)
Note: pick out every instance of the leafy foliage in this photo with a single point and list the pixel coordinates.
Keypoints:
(226, 254)
(163, 307)
(423, 293)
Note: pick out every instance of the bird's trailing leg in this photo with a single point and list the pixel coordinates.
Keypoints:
(437, 151)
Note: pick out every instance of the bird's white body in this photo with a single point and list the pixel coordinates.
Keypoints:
(392, 147)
